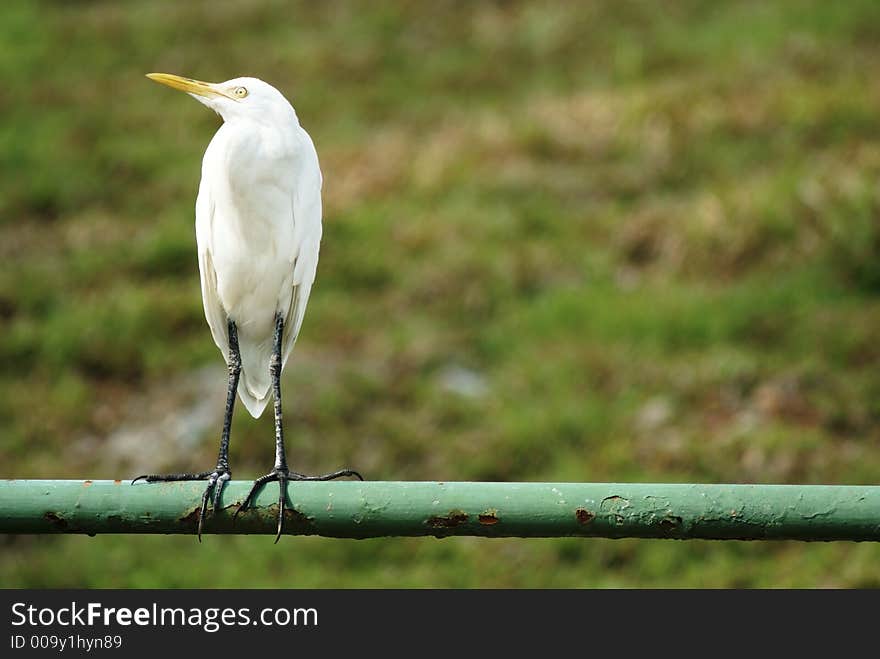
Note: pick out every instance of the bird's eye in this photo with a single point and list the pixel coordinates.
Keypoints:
(240, 92)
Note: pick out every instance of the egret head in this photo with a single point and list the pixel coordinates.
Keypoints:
(236, 99)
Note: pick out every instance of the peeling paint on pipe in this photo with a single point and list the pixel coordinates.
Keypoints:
(374, 509)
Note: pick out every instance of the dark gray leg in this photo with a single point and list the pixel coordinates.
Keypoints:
(280, 471)
(217, 478)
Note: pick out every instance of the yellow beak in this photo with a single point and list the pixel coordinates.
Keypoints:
(188, 85)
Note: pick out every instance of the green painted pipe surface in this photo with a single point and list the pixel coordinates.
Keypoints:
(352, 509)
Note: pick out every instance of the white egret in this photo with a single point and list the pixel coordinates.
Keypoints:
(258, 230)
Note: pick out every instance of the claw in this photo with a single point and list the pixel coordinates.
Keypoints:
(155, 478)
(216, 479)
(326, 477)
(282, 495)
(204, 509)
(283, 476)
(218, 489)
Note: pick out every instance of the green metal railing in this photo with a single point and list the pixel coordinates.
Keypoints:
(355, 509)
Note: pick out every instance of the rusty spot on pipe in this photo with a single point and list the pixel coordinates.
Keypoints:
(56, 520)
(117, 482)
(453, 518)
(192, 517)
(670, 523)
(489, 517)
(584, 516)
(297, 519)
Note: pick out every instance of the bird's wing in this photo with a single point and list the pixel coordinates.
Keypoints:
(214, 312)
(306, 208)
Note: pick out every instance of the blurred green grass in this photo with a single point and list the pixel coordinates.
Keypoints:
(650, 234)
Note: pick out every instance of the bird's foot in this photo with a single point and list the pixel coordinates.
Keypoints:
(283, 475)
(216, 480)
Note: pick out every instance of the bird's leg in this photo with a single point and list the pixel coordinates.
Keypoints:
(217, 478)
(280, 472)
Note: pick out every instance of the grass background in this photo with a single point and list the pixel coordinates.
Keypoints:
(563, 241)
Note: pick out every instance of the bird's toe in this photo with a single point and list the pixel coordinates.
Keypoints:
(220, 481)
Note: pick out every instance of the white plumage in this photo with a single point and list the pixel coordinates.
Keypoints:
(258, 224)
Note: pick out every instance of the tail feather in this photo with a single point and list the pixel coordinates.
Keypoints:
(255, 386)
(252, 403)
